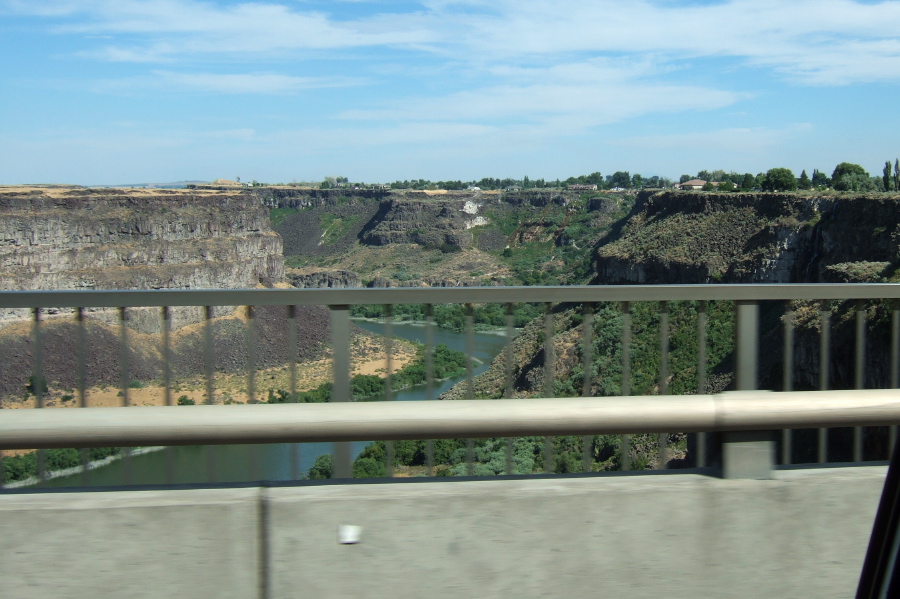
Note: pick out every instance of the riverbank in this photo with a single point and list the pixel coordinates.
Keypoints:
(92, 465)
(480, 329)
(367, 357)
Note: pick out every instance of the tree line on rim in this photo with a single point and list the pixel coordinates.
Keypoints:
(845, 177)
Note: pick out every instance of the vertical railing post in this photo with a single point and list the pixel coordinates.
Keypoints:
(340, 339)
(747, 454)
(702, 321)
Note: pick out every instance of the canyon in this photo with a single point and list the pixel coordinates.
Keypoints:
(75, 238)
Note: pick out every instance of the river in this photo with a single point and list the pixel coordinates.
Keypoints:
(273, 462)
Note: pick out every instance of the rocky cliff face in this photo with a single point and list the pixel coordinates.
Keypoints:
(87, 239)
(430, 223)
(331, 279)
(676, 237)
(135, 239)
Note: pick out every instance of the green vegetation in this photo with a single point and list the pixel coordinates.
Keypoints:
(322, 469)
(527, 455)
(36, 385)
(606, 375)
(779, 179)
(453, 316)
(603, 451)
(277, 215)
(334, 227)
(447, 363)
(25, 466)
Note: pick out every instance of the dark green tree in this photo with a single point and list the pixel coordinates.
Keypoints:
(840, 179)
(886, 176)
(897, 174)
(323, 468)
(819, 179)
(779, 179)
(708, 186)
(804, 182)
(637, 181)
(621, 179)
(748, 182)
(685, 178)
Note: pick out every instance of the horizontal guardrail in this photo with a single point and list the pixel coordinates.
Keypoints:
(286, 423)
(443, 295)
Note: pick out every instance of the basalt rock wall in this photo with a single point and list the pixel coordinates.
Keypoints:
(53, 239)
(674, 237)
(117, 240)
(431, 223)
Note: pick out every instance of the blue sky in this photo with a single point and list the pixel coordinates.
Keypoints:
(126, 91)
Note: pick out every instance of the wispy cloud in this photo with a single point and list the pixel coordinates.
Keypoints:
(249, 83)
(164, 28)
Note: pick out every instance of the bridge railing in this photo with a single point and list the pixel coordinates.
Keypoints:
(744, 453)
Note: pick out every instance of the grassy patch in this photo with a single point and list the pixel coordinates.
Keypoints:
(277, 215)
(335, 228)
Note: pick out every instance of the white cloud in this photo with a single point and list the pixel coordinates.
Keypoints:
(186, 27)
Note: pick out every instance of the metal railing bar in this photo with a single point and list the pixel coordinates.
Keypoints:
(250, 331)
(663, 376)
(787, 383)
(292, 375)
(340, 341)
(81, 386)
(388, 388)
(859, 373)
(895, 365)
(549, 367)
(824, 357)
(509, 366)
(292, 349)
(470, 381)
(124, 376)
(509, 383)
(209, 365)
(37, 382)
(625, 440)
(166, 351)
(587, 341)
(208, 355)
(81, 350)
(37, 365)
(345, 421)
(702, 318)
(418, 295)
(429, 378)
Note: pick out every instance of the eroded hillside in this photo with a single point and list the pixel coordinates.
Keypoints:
(415, 239)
